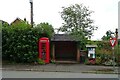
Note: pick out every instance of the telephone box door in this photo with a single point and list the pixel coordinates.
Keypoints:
(44, 49)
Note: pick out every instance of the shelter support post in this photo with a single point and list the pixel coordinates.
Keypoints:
(78, 55)
(53, 51)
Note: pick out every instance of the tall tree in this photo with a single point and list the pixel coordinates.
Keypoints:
(77, 21)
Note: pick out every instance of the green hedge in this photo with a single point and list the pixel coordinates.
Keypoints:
(20, 44)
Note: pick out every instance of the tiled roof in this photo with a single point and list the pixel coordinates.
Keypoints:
(63, 37)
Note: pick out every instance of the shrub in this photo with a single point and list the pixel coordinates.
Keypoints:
(89, 62)
(20, 44)
(40, 61)
(98, 60)
(104, 54)
(110, 63)
(117, 53)
(86, 62)
(52, 61)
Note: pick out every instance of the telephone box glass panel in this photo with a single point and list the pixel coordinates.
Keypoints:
(43, 51)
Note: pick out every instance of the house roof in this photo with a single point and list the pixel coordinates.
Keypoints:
(17, 20)
(63, 37)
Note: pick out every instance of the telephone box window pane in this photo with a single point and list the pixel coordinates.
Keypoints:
(43, 51)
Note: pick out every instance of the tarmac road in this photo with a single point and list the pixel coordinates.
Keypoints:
(32, 74)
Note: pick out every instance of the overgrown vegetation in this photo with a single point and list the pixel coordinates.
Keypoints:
(20, 42)
(40, 61)
(104, 55)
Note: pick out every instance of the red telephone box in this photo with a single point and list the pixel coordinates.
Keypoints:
(44, 49)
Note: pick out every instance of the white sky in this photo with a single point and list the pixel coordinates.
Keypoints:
(105, 12)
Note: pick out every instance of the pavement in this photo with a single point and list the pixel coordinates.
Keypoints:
(74, 68)
(31, 74)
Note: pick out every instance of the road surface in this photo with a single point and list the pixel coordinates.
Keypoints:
(32, 74)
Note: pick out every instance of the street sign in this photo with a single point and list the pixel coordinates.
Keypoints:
(113, 41)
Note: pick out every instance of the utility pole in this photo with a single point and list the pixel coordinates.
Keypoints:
(116, 34)
(117, 45)
(31, 12)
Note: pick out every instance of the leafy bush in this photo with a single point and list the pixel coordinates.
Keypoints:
(52, 61)
(89, 62)
(98, 60)
(20, 43)
(104, 51)
(104, 45)
(86, 62)
(40, 61)
(110, 63)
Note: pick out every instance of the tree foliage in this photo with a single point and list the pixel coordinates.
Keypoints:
(46, 28)
(77, 21)
(107, 35)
